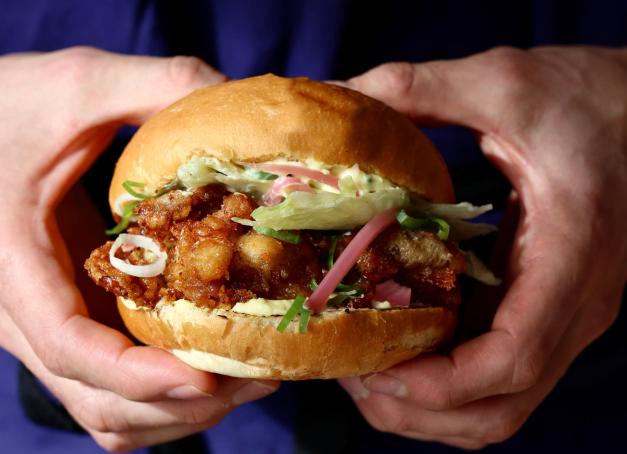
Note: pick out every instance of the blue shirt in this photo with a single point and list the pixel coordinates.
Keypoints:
(335, 39)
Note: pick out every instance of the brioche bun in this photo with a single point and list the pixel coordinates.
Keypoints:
(266, 118)
(336, 344)
(269, 117)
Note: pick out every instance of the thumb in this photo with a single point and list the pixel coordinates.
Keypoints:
(130, 88)
(437, 92)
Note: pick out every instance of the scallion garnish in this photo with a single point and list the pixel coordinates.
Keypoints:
(304, 320)
(342, 292)
(444, 228)
(424, 222)
(294, 309)
(288, 237)
(260, 174)
(331, 253)
(127, 214)
(128, 186)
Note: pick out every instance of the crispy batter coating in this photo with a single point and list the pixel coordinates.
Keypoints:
(216, 262)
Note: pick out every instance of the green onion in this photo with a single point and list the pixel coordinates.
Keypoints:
(127, 214)
(444, 228)
(171, 186)
(128, 185)
(288, 237)
(294, 309)
(424, 222)
(348, 288)
(304, 320)
(331, 253)
(338, 299)
(261, 175)
(313, 284)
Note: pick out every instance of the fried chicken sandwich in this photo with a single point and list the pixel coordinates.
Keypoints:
(285, 229)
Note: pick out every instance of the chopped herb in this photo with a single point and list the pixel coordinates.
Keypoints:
(171, 186)
(294, 309)
(444, 230)
(127, 214)
(338, 299)
(288, 237)
(128, 186)
(424, 222)
(350, 290)
(260, 174)
(304, 320)
(331, 253)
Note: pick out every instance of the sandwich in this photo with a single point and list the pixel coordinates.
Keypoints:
(286, 229)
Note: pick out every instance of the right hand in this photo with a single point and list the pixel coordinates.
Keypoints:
(58, 112)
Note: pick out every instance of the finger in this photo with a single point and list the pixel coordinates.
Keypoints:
(457, 442)
(507, 359)
(489, 420)
(478, 313)
(128, 87)
(129, 441)
(106, 412)
(107, 360)
(433, 92)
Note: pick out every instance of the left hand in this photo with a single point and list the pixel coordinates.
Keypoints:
(554, 121)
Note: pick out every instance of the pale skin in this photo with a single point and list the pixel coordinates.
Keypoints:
(60, 111)
(554, 121)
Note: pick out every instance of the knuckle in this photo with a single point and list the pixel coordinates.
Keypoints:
(439, 398)
(114, 442)
(527, 372)
(393, 422)
(510, 67)
(52, 356)
(503, 429)
(197, 416)
(184, 71)
(75, 64)
(90, 414)
(398, 77)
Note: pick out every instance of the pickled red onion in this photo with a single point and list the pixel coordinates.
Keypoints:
(150, 270)
(318, 299)
(329, 180)
(281, 187)
(397, 294)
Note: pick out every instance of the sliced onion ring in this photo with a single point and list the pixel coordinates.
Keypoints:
(151, 270)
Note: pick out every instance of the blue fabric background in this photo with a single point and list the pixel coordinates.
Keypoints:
(334, 39)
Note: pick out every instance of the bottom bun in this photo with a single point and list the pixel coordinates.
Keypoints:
(337, 343)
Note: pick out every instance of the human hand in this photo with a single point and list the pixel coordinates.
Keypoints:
(554, 121)
(59, 111)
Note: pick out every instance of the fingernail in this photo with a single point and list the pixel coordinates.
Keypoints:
(251, 391)
(355, 388)
(386, 384)
(187, 392)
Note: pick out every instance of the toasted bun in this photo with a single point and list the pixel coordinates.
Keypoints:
(336, 344)
(269, 117)
(266, 118)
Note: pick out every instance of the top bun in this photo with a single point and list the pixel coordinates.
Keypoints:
(269, 117)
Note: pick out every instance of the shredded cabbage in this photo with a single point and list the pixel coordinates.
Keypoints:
(476, 269)
(328, 211)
